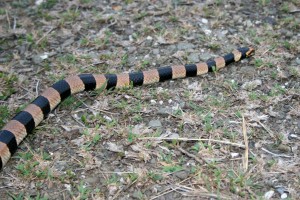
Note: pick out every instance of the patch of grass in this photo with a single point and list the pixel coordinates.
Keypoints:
(218, 102)
(2, 11)
(71, 103)
(68, 58)
(264, 2)
(258, 62)
(48, 4)
(131, 177)
(83, 191)
(30, 39)
(21, 3)
(253, 95)
(30, 167)
(86, 1)
(155, 176)
(173, 18)
(19, 196)
(4, 114)
(68, 175)
(140, 16)
(124, 59)
(294, 72)
(277, 90)
(7, 82)
(285, 7)
(145, 63)
(70, 15)
(92, 137)
(172, 168)
(239, 182)
(207, 121)
(113, 179)
(214, 46)
(208, 12)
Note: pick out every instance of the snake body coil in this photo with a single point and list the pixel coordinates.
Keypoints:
(12, 134)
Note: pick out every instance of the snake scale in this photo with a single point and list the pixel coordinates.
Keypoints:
(23, 123)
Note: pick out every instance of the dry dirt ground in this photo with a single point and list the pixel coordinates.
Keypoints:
(232, 134)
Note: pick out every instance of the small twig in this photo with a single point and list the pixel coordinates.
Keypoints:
(294, 11)
(268, 130)
(118, 172)
(37, 88)
(194, 139)
(51, 29)
(265, 52)
(192, 156)
(93, 109)
(124, 189)
(7, 17)
(277, 155)
(246, 156)
(15, 23)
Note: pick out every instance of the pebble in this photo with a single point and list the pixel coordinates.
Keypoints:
(248, 71)
(173, 136)
(251, 85)
(155, 124)
(181, 174)
(204, 21)
(164, 111)
(205, 56)
(184, 46)
(270, 20)
(36, 59)
(193, 57)
(149, 38)
(297, 61)
(269, 194)
(155, 51)
(92, 180)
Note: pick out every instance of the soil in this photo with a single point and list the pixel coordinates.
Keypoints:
(231, 134)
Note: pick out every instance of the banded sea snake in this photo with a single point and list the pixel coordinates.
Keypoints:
(23, 123)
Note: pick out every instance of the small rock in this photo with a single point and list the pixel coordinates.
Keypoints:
(207, 31)
(204, 21)
(297, 61)
(269, 194)
(68, 187)
(234, 155)
(205, 56)
(164, 111)
(149, 38)
(114, 147)
(270, 20)
(67, 42)
(152, 101)
(193, 57)
(251, 85)
(92, 180)
(36, 59)
(155, 51)
(173, 136)
(248, 71)
(184, 46)
(155, 124)
(181, 174)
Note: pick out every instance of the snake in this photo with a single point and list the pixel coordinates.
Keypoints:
(24, 122)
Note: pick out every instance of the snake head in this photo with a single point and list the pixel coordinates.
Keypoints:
(250, 52)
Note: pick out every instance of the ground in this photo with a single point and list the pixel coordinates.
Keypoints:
(231, 134)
